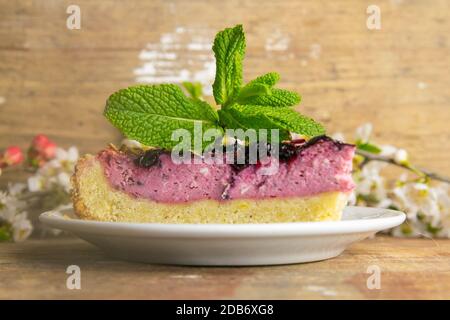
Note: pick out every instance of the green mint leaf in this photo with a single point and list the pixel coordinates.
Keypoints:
(266, 117)
(194, 89)
(253, 90)
(274, 98)
(269, 79)
(229, 50)
(150, 113)
(237, 117)
(365, 146)
(277, 98)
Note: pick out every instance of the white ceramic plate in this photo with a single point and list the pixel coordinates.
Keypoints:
(227, 244)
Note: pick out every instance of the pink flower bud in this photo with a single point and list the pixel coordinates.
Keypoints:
(49, 151)
(11, 156)
(43, 146)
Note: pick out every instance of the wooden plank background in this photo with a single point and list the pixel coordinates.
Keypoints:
(55, 81)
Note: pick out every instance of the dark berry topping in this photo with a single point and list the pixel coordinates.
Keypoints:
(338, 144)
(243, 155)
(287, 151)
(149, 158)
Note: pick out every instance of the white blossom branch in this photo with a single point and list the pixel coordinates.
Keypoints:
(420, 171)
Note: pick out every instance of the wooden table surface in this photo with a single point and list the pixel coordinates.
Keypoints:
(409, 269)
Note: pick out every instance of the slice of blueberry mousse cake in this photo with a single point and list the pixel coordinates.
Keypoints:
(142, 183)
(312, 183)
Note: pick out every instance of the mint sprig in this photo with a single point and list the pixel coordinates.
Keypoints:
(256, 105)
(150, 113)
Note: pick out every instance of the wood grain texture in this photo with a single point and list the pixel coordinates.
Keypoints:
(410, 269)
(55, 81)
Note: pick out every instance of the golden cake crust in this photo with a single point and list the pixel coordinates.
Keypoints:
(79, 206)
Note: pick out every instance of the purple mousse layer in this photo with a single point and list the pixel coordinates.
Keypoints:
(321, 165)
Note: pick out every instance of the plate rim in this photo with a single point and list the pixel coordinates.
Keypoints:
(280, 229)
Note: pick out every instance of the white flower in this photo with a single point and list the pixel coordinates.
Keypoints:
(3, 198)
(55, 172)
(443, 200)
(22, 227)
(388, 150)
(363, 133)
(369, 180)
(35, 184)
(72, 154)
(15, 189)
(49, 167)
(64, 180)
(9, 205)
(426, 207)
(11, 212)
(401, 156)
(60, 154)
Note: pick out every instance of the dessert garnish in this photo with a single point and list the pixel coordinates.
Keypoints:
(150, 113)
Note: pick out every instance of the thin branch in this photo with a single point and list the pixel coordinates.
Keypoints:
(32, 195)
(423, 172)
